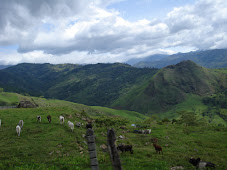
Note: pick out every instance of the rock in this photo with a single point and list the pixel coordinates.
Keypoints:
(121, 137)
(78, 124)
(26, 104)
(176, 167)
(103, 134)
(81, 152)
(104, 147)
(84, 119)
(80, 148)
(60, 145)
(83, 135)
(51, 153)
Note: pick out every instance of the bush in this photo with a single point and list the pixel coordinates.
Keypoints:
(165, 120)
(188, 118)
(110, 121)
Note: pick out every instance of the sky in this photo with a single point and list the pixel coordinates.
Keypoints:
(107, 31)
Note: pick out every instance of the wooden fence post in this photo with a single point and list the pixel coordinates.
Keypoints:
(91, 148)
(111, 138)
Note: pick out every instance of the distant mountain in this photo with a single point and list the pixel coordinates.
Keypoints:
(209, 58)
(4, 66)
(170, 86)
(152, 58)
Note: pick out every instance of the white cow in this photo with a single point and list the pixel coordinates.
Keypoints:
(21, 123)
(71, 125)
(62, 119)
(18, 130)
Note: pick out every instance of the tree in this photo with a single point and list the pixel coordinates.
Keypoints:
(1, 90)
(189, 118)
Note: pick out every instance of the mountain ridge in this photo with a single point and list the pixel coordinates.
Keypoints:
(170, 86)
(216, 58)
(121, 86)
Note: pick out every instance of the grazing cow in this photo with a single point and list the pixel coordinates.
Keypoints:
(71, 125)
(136, 131)
(147, 131)
(125, 148)
(18, 130)
(49, 118)
(199, 164)
(157, 148)
(89, 125)
(21, 123)
(62, 119)
(39, 118)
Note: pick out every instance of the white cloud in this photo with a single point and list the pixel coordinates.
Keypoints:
(86, 32)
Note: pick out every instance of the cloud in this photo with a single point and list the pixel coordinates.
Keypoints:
(87, 32)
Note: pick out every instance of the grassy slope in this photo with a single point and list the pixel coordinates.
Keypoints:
(54, 146)
(8, 99)
(131, 115)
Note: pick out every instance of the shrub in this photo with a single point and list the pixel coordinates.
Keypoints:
(110, 121)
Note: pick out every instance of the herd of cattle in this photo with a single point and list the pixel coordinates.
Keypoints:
(199, 164)
(39, 118)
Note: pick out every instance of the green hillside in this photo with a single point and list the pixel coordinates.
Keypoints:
(94, 84)
(174, 88)
(53, 146)
(171, 86)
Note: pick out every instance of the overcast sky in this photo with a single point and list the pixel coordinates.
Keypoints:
(92, 31)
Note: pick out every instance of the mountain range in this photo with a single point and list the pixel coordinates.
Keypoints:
(121, 86)
(207, 58)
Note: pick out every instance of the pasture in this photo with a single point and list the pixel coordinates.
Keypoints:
(53, 146)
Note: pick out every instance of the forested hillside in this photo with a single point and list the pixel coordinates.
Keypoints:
(184, 86)
(94, 84)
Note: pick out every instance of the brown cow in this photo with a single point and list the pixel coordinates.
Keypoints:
(49, 118)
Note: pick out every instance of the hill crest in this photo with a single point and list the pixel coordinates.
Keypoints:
(170, 86)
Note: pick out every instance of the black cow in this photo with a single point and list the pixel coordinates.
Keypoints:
(201, 164)
(125, 148)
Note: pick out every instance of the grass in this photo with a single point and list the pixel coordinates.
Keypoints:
(131, 115)
(54, 146)
(192, 103)
(8, 99)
